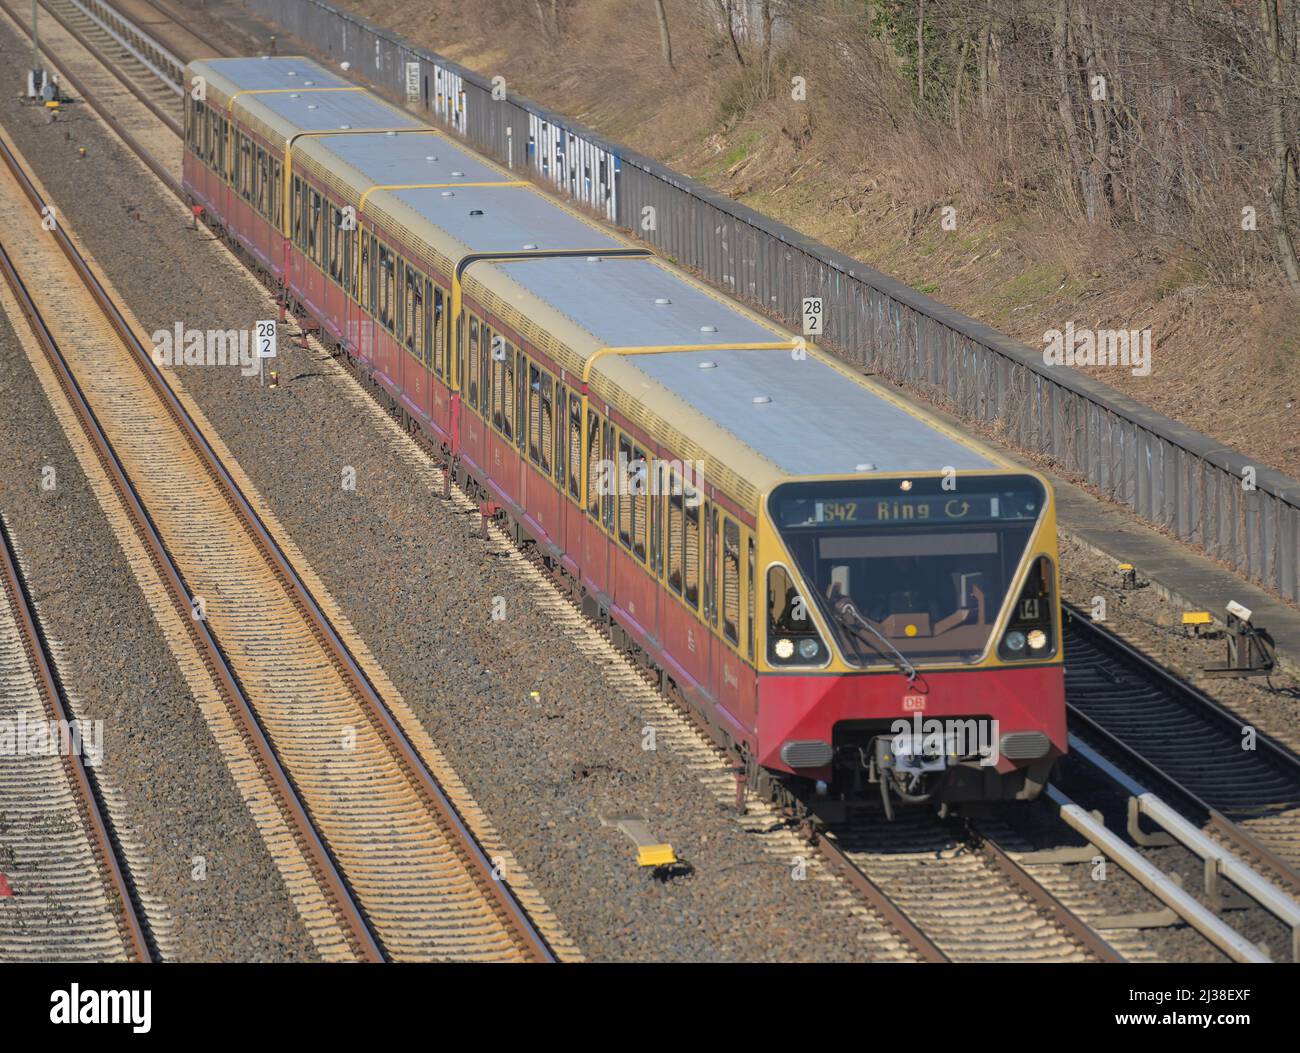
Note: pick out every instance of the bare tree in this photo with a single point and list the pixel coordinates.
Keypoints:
(1283, 153)
(665, 40)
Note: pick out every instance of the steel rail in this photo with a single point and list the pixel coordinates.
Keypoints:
(291, 805)
(495, 888)
(112, 67)
(112, 868)
(107, 116)
(1179, 689)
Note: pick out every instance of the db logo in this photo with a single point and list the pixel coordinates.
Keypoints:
(913, 703)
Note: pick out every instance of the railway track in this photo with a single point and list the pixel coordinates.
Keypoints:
(979, 876)
(403, 876)
(1028, 912)
(68, 897)
(1189, 747)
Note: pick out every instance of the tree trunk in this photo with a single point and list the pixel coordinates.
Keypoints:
(665, 41)
(724, 6)
(920, 51)
(1281, 149)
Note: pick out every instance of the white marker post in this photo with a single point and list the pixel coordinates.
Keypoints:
(812, 316)
(266, 345)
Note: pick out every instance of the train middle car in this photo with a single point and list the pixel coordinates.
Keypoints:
(860, 600)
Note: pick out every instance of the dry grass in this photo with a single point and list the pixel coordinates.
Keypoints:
(854, 167)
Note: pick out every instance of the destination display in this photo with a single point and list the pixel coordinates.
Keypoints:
(849, 509)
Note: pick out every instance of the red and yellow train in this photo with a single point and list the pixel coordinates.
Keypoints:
(853, 594)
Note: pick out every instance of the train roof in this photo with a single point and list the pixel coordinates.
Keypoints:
(267, 73)
(351, 165)
(759, 417)
(635, 302)
(285, 114)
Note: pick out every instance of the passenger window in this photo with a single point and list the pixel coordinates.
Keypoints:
(521, 407)
(547, 438)
(430, 317)
(508, 390)
(676, 535)
(638, 479)
(593, 464)
(691, 546)
(534, 412)
(710, 563)
(731, 581)
(750, 588)
(609, 484)
(561, 432)
(366, 285)
(653, 496)
(473, 362)
(438, 326)
(575, 446)
(624, 491)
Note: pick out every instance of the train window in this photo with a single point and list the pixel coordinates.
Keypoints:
(365, 270)
(593, 464)
(349, 261)
(750, 588)
(245, 168)
(313, 231)
(373, 304)
(575, 446)
(691, 546)
(676, 536)
(534, 413)
(638, 479)
(412, 308)
(521, 406)
(546, 439)
(473, 362)
(508, 392)
(438, 336)
(297, 211)
(561, 432)
(415, 341)
(277, 206)
(499, 402)
(262, 177)
(333, 240)
(653, 493)
(624, 491)
(710, 563)
(485, 374)
(731, 581)
(432, 321)
(387, 290)
(609, 485)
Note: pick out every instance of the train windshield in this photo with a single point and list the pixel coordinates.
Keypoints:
(906, 568)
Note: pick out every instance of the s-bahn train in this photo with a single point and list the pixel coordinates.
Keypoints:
(858, 598)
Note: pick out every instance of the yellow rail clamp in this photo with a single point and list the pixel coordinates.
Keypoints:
(656, 855)
(650, 851)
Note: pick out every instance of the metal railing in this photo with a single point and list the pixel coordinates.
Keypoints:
(1197, 489)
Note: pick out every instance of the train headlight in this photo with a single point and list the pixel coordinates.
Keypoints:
(784, 648)
(1015, 641)
(1037, 639)
(808, 649)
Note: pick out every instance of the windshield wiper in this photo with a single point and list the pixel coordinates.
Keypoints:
(847, 614)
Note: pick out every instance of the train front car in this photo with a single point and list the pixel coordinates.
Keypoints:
(913, 638)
